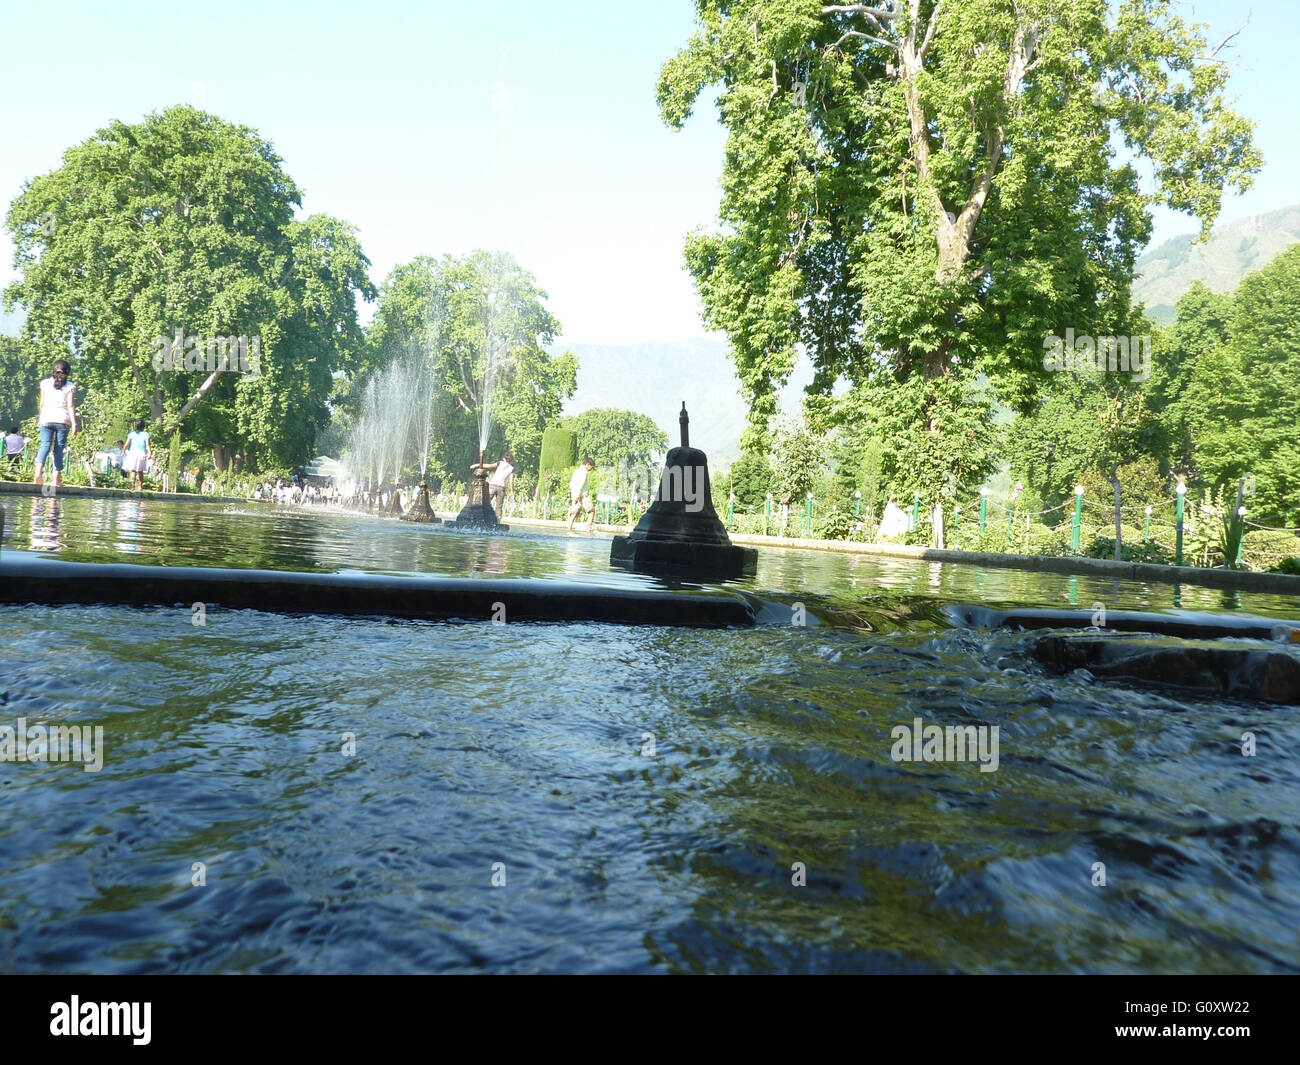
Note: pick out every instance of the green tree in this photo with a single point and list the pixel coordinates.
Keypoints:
(184, 223)
(1090, 425)
(798, 457)
(614, 437)
(481, 326)
(751, 479)
(20, 376)
(1245, 396)
(1201, 328)
(918, 193)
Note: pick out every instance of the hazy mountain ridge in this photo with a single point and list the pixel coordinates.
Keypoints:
(1233, 251)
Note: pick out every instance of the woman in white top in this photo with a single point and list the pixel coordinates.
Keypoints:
(58, 419)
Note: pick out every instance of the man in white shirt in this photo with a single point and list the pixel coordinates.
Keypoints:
(502, 477)
(580, 498)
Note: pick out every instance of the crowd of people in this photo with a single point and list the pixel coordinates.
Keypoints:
(297, 492)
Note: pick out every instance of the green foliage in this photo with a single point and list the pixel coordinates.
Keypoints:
(1244, 398)
(559, 448)
(751, 479)
(1264, 549)
(1133, 549)
(1176, 393)
(20, 377)
(615, 437)
(835, 525)
(174, 462)
(185, 223)
(798, 458)
(921, 204)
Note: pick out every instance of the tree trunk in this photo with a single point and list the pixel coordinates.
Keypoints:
(1114, 480)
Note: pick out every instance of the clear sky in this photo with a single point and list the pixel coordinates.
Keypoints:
(441, 127)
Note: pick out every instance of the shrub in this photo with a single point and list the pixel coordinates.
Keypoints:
(1132, 551)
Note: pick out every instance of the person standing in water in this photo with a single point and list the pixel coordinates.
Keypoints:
(136, 458)
(503, 477)
(58, 419)
(580, 497)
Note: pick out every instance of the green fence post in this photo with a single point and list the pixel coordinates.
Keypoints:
(731, 506)
(1178, 522)
(916, 512)
(767, 516)
(1146, 538)
(956, 517)
(857, 503)
(1241, 535)
(1075, 525)
(807, 522)
(984, 509)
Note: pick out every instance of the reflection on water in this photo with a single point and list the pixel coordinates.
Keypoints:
(522, 744)
(44, 525)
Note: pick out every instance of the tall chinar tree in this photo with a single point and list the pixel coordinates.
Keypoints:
(184, 223)
(918, 193)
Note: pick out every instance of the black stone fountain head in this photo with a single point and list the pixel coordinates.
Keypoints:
(420, 510)
(477, 512)
(681, 533)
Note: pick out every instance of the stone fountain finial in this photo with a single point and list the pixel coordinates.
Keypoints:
(681, 532)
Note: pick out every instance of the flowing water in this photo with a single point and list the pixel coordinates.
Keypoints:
(650, 797)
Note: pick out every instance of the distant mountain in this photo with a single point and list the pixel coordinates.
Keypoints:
(654, 378)
(1232, 252)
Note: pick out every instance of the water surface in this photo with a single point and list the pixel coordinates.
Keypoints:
(528, 745)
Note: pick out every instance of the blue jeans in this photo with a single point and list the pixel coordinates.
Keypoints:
(56, 435)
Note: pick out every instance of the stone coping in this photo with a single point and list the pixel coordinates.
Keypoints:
(25, 488)
(52, 581)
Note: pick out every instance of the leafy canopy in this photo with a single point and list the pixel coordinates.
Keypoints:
(920, 192)
(184, 222)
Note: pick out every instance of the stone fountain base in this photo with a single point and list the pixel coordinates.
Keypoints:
(477, 512)
(682, 556)
(420, 510)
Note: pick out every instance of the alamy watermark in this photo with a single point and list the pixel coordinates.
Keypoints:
(946, 743)
(1100, 354)
(53, 743)
(232, 354)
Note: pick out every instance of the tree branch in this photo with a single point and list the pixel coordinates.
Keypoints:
(865, 37)
(929, 30)
(196, 398)
(1213, 53)
(860, 9)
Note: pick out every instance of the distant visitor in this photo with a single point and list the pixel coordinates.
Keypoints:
(58, 419)
(15, 443)
(136, 459)
(579, 497)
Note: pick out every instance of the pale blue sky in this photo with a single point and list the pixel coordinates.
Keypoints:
(442, 127)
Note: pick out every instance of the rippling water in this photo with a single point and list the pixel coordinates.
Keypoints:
(529, 745)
